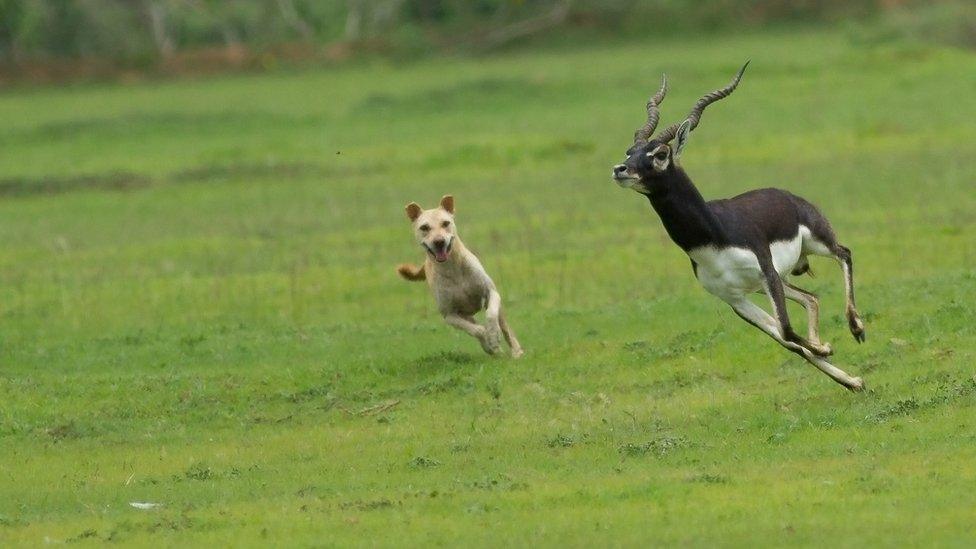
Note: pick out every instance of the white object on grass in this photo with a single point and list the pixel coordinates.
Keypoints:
(144, 505)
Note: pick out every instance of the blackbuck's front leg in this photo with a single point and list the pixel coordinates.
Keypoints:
(773, 286)
(753, 314)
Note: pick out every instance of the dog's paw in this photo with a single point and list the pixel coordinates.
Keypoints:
(492, 341)
(517, 352)
(490, 345)
(491, 349)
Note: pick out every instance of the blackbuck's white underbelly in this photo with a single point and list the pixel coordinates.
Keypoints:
(731, 272)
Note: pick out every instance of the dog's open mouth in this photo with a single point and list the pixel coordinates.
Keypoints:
(440, 250)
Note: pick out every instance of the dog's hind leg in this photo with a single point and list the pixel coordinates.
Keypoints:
(472, 328)
(510, 336)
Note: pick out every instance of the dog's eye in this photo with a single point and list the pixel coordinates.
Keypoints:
(425, 227)
(446, 224)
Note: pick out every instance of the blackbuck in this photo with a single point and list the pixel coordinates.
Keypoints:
(741, 245)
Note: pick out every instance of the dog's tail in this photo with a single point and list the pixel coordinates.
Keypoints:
(412, 272)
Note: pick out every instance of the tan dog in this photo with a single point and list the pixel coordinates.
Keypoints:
(459, 282)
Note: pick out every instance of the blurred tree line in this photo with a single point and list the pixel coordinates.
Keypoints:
(145, 32)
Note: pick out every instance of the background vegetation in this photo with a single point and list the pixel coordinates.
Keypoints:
(44, 40)
(198, 307)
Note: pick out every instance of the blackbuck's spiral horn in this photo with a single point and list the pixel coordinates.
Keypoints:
(653, 113)
(695, 115)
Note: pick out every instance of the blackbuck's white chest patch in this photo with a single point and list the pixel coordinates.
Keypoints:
(732, 272)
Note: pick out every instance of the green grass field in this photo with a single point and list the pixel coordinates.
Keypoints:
(198, 306)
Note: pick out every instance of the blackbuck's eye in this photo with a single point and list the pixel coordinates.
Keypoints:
(663, 155)
(425, 227)
(446, 224)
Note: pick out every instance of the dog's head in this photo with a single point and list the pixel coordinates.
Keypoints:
(434, 228)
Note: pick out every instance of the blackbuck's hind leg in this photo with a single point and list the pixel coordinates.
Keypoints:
(843, 255)
(812, 306)
(753, 314)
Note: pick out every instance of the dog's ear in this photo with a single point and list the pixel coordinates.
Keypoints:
(413, 211)
(447, 202)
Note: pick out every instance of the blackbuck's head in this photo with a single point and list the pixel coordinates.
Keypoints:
(649, 159)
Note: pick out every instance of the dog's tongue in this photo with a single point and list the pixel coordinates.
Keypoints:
(441, 255)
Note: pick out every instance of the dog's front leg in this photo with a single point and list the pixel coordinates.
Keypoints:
(467, 324)
(492, 313)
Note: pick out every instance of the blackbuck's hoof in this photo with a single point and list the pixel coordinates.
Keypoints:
(857, 328)
(823, 350)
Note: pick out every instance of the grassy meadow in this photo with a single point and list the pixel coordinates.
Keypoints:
(198, 305)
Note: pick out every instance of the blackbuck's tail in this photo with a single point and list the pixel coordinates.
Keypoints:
(412, 272)
(802, 267)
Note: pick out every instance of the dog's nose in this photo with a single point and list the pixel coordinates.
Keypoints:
(619, 168)
(439, 242)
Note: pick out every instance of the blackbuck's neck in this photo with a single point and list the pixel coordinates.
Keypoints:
(686, 217)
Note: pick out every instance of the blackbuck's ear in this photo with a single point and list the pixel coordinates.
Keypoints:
(447, 202)
(681, 139)
(413, 211)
